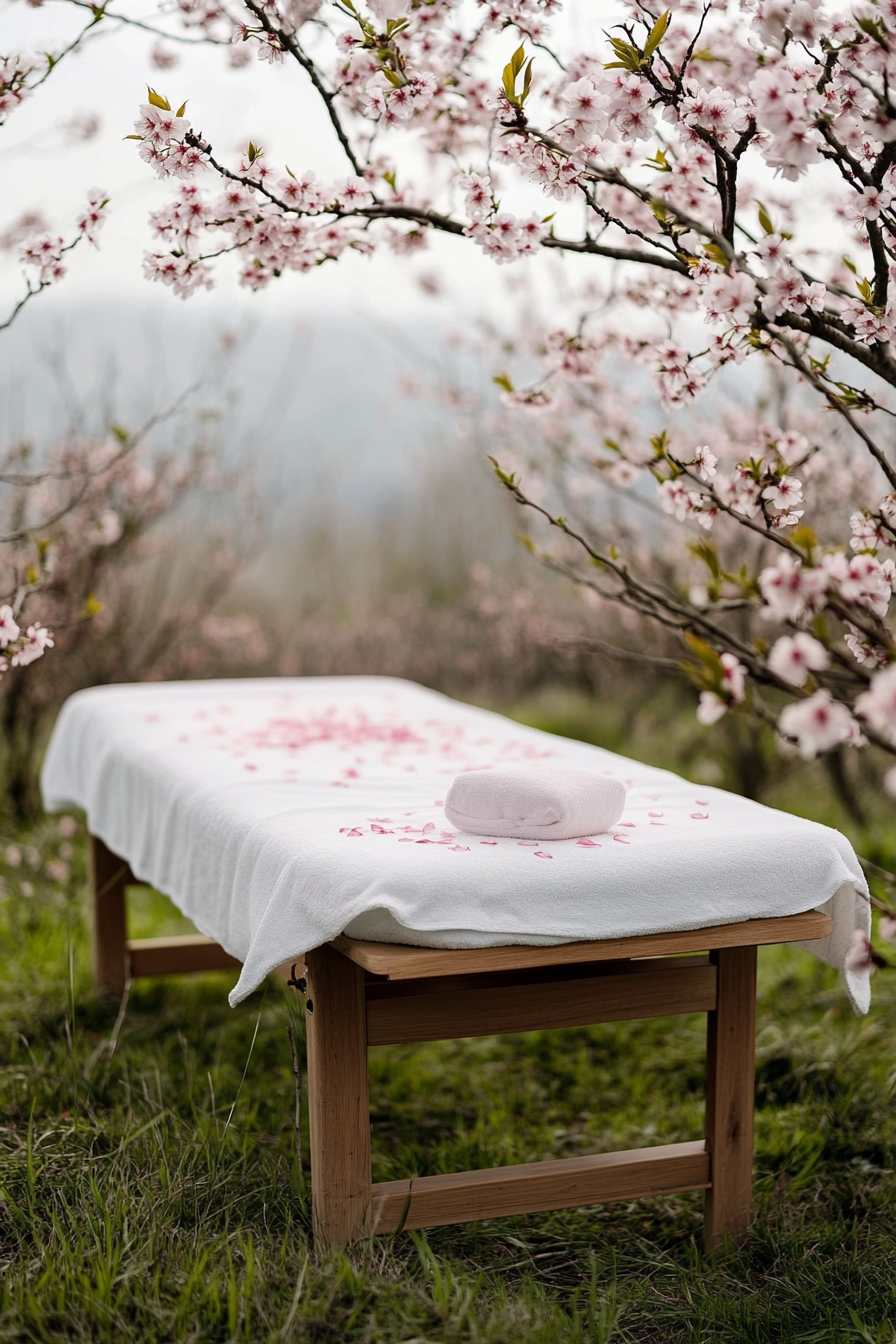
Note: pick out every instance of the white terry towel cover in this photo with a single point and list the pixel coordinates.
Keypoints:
(535, 803)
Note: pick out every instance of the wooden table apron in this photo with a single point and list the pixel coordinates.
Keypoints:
(359, 994)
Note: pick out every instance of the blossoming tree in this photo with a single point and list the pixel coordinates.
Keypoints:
(27, 557)
(730, 172)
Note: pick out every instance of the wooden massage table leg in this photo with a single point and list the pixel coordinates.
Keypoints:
(730, 1084)
(109, 875)
(338, 1097)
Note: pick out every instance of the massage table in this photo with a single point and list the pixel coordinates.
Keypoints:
(299, 824)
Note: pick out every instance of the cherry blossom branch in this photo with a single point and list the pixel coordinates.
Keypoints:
(290, 43)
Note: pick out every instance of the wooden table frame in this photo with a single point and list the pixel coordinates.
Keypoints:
(359, 994)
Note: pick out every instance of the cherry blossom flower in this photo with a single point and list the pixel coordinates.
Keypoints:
(877, 705)
(710, 709)
(9, 630)
(36, 640)
(817, 724)
(705, 462)
(792, 658)
(785, 492)
(860, 959)
(791, 589)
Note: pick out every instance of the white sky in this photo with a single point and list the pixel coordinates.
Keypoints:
(275, 107)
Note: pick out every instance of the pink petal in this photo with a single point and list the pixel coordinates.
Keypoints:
(627, 823)
(539, 854)
(623, 839)
(588, 844)
(700, 816)
(655, 814)
(465, 849)
(488, 842)
(529, 844)
(430, 826)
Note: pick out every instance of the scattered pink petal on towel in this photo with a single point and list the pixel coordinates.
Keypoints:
(354, 830)
(588, 844)
(623, 839)
(657, 823)
(439, 802)
(464, 848)
(655, 814)
(626, 823)
(702, 802)
(248, 766)
(528, 844)
(700, 816)
(540, 854)
(488, 842)
(381, 830)
(430, 826)
(387, 820)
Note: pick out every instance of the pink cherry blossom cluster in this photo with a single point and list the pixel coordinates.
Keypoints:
(20, 647)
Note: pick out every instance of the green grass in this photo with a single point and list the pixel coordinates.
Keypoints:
(150, 1189)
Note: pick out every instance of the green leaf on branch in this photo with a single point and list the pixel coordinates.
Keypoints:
(657, 33)
(505, 477)
(850, 265)
(658, 162)
(501, 380)
(706, 551)
(765, 219)
(627, 56)
(525, 540)
(509, 78)
(716, 254)
(182, 109)
(874, 29)
(804, 537)
(865, 290)
(253, 152)
(156, 100)
(705, 652)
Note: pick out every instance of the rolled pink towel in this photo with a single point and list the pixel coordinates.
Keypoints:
(534, 804)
